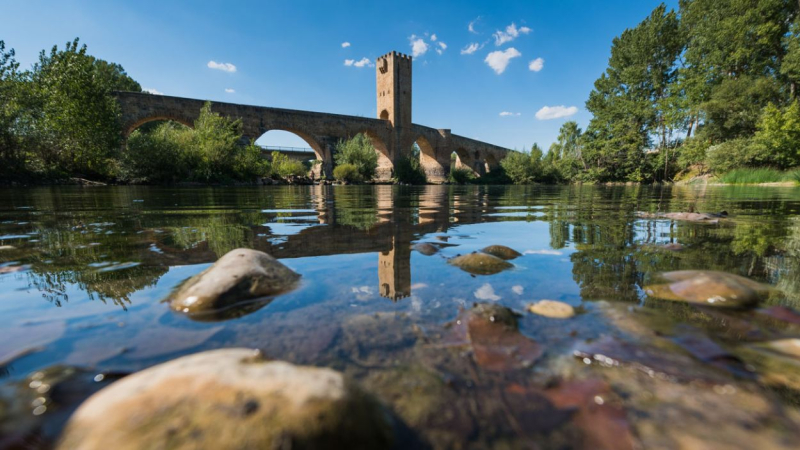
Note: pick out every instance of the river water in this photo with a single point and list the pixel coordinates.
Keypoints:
(84, 272)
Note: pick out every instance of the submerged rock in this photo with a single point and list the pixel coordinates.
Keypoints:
(240, 275)
(426, 248)
(229, 399)
(789, 348)
(480, 264)
(552, 309)
(492, 332)
(502, 252)
(708, 287)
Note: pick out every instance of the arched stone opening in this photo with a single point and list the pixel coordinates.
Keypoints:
(385, 169)
(384, 115)
(435, 171)
(298, 146)
(490, 163)
(463, 160)
(291, 142)
(151, 122)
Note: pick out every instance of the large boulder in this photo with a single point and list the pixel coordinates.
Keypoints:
(235, 280)
(229, 399)
(708, 287)
(480, 263)
(502, 252)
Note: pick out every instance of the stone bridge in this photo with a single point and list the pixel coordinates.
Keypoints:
(392, 133)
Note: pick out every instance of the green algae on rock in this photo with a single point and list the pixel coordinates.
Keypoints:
(480, 264)
(708, 287)
(229, 399)
(238, 276)
(502, 252)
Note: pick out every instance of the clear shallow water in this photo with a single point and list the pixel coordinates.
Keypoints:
(84, 272)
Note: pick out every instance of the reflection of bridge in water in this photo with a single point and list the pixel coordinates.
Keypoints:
(390, 221)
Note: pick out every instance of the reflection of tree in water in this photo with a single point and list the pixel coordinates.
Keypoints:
(220, 232)
(616, 252)
(356, 208)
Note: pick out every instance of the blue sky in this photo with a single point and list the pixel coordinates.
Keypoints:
(290, 54)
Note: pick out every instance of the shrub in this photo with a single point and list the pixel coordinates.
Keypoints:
(524, 168)
(283, 166)
(736, 153)
(461, 175)
(360, 153)
(755, 175)
(158, 156)
(407, 169)
(249, 163)
(348, 173)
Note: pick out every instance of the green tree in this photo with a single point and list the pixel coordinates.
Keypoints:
(10, 111)
(524, 168)
(359, 152)
(78, 118)
(629, 99)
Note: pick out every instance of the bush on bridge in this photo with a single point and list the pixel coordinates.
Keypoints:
(359, 152)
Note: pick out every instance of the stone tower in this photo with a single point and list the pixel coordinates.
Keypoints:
(393, 74)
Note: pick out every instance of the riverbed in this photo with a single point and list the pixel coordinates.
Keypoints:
(84, 272)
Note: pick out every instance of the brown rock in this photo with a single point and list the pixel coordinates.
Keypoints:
(502, 252)
(229, 399)
(240, 275)
(552, 309)
(480, 264)
(708, 287)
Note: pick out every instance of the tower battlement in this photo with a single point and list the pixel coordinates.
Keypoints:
(393, 88)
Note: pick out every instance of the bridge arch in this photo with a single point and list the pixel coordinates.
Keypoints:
(319, 152)
(490, 162)
(430, 162)
(130, 128)
(385, 168)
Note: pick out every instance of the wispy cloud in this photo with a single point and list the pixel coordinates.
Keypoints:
(442, 47)
(542, 252)
(418, 46)
(508, 113)
(153, 91)
(536, 65)
(471, 26)
(511, 33)
(471, 48)
(486, 292)
(345, 44)
(363, 62)
(230, 91)
(556, 112)
(498, 60)
(433, 37)
(225, 67)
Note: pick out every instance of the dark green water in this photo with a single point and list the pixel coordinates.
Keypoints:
(83, 272)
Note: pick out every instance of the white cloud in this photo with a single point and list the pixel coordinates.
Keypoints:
(345, 44)
(442, 47)
(363, 62)
(471, 26)
(507, 113)
(498, 60)
(518, 289)
(225, 67)
(362, 293)
(555, 112)
(486, 292)
(418, 46)
(153, 91)
(542, 252)
(433, 37)
(536, 65)
(230, 91)
(511, 33)
(470, 49)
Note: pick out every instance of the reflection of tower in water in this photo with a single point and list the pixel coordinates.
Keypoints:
(394, 270)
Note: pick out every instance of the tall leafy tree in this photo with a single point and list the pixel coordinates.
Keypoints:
(78, 114)
(629, 100)
(734, 49)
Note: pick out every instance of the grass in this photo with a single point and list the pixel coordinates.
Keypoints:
(759, 175)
